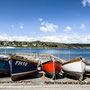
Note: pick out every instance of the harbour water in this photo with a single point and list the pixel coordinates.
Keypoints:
(65, 54)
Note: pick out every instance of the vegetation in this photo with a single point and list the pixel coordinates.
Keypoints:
(39, 44)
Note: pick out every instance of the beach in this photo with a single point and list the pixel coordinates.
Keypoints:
(42, 82)
(62, 87)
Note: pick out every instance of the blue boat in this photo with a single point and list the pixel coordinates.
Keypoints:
(20, 66)
(4, 64)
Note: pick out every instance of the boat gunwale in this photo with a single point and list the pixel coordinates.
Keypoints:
(22, 59)
(1, 58)
(71, 61)
(51, 61)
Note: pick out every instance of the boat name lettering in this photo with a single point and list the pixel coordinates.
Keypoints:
(20, 63)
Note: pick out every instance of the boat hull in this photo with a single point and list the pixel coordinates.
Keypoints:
(51, 67)
(21, 68)
(5, 72)
(87, 69)
(4, 67)
(75, 68)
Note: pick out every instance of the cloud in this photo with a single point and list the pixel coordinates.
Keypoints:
(48, 27)
(40, 19)
(68, 28)
(42, 23)
(6, 37)
(86, 3)
(74, 38)
(82, 26)
(21, 26)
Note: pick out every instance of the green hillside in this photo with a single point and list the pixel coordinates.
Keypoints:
(39, 44)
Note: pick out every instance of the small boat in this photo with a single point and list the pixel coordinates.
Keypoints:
(4, 64)
(52, 68)
(21, 66)
(87, 69)
(75, 67)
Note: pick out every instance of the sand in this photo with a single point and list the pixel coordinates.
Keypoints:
(43, 82)
(55, 87)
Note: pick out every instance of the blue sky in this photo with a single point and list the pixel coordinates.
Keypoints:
(64, 21)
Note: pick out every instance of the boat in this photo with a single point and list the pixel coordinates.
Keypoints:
(87, 69)
(52, 68)
(75, 67)
(21, 66)
(4, 64)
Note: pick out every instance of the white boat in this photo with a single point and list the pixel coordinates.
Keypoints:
(87, 69)
(75, 67)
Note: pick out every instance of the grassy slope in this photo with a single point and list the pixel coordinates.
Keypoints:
(39, 44)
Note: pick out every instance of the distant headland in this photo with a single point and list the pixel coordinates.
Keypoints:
(40, 44)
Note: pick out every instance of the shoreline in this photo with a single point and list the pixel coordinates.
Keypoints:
(38, 48)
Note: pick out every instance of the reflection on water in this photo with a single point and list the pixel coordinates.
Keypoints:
(65, 54)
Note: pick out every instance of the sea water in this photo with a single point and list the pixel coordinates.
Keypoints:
(65, 54)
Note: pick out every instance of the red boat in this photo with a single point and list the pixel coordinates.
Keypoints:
(52, 68)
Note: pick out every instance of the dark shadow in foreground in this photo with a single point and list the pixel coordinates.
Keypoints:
(56, 76)
(63, 76)
(4, 75)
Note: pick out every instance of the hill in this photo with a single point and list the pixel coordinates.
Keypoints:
(39, 44)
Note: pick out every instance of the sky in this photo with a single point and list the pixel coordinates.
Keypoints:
(63, 21)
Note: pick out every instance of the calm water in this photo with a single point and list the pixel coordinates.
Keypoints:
(65, 54)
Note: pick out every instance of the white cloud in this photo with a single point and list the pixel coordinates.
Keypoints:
(40, 19)
(74, 38)
(21, 26)
(42, 23)
(82, 26)
(6, 37)
(48, 27)
(68, 28)
(89, 2)
(86, 3)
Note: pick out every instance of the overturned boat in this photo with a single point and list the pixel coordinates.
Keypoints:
(75, 67)
(52, 68)
(4, 64)
(21, 66)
